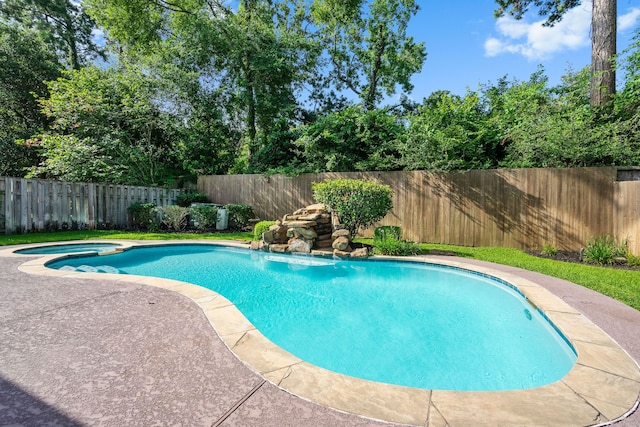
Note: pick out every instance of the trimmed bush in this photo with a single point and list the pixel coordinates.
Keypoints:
(239, 215)
(185, 199)
(260, 228)
(143, 215)
(358, 203)
(204, 216)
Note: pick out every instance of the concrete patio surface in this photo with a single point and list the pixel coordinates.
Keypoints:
(102, 352)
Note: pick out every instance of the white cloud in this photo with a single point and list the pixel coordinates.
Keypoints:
(629, 19)
(535, 42)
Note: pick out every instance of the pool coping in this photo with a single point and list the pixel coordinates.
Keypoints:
(601, 388)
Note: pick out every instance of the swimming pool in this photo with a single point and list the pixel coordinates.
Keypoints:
(68, 248)
(410, 324)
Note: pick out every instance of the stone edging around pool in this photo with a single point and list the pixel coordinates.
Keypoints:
(603, 386)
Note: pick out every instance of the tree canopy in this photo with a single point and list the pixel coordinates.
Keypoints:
(197, 87)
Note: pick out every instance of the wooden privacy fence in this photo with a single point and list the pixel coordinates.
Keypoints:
(38, 205)
(520, 208)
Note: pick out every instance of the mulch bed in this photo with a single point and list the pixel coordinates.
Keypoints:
(574, 257)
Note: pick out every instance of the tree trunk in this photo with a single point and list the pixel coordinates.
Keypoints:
(603, 51)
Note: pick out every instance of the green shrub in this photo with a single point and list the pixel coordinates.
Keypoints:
(387, 240)
(396, 247)
(175, 217)
(357, 203)
(260, 228)
(185, 199)
(633, 260)
(387, 232)
(239, 215)
(549, 249)
(204, 216)
(604, 249)
(143, 215)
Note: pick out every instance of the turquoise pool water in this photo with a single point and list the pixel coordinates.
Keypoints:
(69, 248)
(410, 324)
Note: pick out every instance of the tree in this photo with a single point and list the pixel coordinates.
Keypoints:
(107, 127)
(257, 56)
(603, 37)
(26, 64)
(62, 24)
(369, 50)
(353, 139)
(449, 132)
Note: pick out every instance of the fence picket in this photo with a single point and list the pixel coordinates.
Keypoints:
(37, 205)
(521, 208)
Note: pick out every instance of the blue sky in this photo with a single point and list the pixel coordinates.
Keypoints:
(466, 46)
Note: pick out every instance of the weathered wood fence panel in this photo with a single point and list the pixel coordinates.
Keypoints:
(37, 205)
(521, 208)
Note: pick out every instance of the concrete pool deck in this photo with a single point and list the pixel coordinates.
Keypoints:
(87, 349)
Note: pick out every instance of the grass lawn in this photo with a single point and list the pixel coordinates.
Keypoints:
(622, 285)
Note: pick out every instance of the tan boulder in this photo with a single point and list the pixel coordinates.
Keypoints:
(341, 233)
(341, 254)
(317, 208)
(278, 248)
(341, 243)
(268, 236)
(258, 245)
(299, 246)
(307, 233)
(309, 217)
(360, 253)
(300, 224)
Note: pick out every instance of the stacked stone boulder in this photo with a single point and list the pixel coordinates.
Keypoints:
(307, 230)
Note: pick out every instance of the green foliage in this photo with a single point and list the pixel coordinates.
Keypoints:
(396, 247)
(278, 153)
(254, 56)
(107, 127)
(368, 45)
(633, 260)
(27, 63)
(69, 158)
(387, 240)
(352, 140)
(549, 249)
(260, 228)
(62, 24)
(387, 232)
(204, 217)
(174, 217)
(605, 249)
(357, 203)
(208, 144)
(185, 199)
(451, 133)
(143, 215)
(239, 215)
